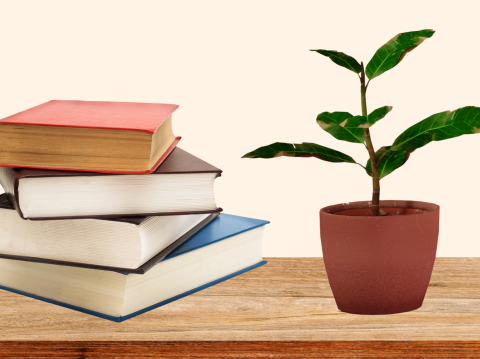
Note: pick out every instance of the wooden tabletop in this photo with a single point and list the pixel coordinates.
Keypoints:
(288, 299)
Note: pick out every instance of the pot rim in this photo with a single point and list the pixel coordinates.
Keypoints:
(426, 206)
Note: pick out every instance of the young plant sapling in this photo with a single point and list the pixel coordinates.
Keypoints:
(346, 127)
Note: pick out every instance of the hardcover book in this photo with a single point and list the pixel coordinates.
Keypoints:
(226, 247)
(183, 184)
(110, 137)
(129, 245)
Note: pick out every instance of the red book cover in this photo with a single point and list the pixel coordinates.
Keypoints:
(133, 116)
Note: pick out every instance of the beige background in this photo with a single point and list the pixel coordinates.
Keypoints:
(243, 77)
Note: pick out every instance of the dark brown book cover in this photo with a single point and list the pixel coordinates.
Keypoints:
(6, 204)
(179, 161)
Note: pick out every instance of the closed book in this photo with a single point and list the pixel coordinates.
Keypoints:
(99, 136)
(183, 184)
(129, 245)
(226, 247)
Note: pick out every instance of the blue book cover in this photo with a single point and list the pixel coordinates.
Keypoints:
(222, 227)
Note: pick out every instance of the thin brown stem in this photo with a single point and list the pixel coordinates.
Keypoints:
(371, 151)
(366, 86)
(365, 168)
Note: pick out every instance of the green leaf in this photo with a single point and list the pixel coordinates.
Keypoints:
(438, 127)
(346, 127)
(342, 59)
(371, 119)
(390, 54)
(337, 124)
(378, 114)
(304, 149)
(389, 161)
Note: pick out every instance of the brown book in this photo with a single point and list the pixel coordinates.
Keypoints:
(98, 136)
(183, 184)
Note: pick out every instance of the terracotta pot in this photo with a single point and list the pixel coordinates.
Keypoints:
(381, 264)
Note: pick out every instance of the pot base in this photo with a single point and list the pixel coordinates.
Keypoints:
(380, 307)
(362, 312)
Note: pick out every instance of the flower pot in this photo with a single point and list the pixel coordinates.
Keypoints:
(379, 264)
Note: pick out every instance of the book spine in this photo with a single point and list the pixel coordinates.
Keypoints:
(9, 182)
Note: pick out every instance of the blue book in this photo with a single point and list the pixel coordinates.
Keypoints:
(228, 246)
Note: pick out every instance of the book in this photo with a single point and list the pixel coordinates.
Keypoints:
(98, 136)
(129, 245)
(226, 247)
(183, 184)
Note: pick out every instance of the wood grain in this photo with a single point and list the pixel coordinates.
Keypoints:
(288, 299)
(230, 350)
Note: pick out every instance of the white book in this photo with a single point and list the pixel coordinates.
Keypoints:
(226, 247)
(182, 184)
(129, 244)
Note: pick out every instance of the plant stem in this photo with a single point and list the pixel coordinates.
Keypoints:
(371, 151)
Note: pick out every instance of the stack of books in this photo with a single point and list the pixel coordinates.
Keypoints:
(104, 214)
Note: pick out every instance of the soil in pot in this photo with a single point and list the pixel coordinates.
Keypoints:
(382, 264)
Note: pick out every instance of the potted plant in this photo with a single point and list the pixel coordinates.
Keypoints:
(379, 255)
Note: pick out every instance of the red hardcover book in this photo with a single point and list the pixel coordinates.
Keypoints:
(95, 136)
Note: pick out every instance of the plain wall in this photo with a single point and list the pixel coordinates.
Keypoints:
(244, 77)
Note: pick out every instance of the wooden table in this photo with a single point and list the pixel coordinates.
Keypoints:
(287, 300)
